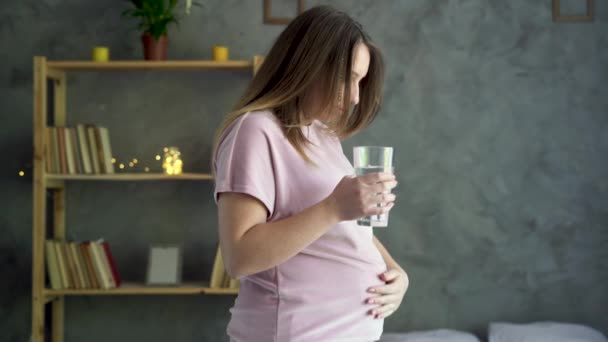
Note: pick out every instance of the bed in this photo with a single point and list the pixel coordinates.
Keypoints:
(506, 332)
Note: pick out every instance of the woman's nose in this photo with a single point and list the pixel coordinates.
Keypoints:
(354, 97)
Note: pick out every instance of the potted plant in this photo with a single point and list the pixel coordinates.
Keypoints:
(154, 18)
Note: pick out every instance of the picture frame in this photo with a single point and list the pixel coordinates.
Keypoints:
(164, 265)
(587, 17)
(269, 19)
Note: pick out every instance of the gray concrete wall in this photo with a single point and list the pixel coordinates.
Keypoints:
(498, 116)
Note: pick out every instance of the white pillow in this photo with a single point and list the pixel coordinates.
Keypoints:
(440, 335)
(543, 332)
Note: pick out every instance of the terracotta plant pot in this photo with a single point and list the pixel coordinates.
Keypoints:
(154, 50)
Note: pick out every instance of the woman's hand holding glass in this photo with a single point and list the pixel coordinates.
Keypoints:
(365, 195)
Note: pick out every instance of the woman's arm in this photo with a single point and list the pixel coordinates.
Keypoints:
(250, 244)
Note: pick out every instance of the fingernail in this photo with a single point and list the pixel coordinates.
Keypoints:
(370, 301)
(371, 290)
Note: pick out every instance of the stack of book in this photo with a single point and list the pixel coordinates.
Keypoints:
(84, 149)
(219, 276)
(81, 265)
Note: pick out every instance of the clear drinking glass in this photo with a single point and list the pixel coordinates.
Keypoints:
(370, 159)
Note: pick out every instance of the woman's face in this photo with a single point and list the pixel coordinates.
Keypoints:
(359, 68)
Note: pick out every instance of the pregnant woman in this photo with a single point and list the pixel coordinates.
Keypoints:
(287, 196)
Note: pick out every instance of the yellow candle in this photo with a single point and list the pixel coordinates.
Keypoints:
(101, 54)
(220, 53)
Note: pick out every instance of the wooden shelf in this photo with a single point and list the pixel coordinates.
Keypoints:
(148, 65)
(49, 216)
(142, 289)
(129, 177)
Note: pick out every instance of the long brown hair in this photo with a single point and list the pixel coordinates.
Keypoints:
(317, 45)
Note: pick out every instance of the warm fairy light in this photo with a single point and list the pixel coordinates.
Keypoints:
(146, 169)
(131, 164)
(113, 160)
(157, 157)
(172, 164)
(21, 173)
(134, 160)
(121, 166)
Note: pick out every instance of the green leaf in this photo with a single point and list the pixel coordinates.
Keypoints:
(154, 15)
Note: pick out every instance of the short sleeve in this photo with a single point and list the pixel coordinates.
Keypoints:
(243, 161)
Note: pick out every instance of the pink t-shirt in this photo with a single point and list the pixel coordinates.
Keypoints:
(319, 294)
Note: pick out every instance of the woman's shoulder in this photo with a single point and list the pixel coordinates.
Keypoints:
(260, 120)
(253, 126)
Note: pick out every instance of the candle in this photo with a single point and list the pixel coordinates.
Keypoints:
(101, 54)
(220, 53)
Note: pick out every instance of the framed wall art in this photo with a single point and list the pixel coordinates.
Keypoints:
(269, 18)
(585, 16)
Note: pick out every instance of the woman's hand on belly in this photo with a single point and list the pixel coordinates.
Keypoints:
(388, 297)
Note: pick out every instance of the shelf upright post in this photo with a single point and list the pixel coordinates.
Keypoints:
(38, 199)
(59, 119)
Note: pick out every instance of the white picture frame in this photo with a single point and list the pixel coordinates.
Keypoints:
(164, 265)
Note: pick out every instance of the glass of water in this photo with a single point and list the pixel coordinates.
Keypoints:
(370, 159)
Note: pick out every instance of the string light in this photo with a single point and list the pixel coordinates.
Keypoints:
(172, 164)
(133, 163)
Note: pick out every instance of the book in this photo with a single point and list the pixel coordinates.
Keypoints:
(93, 148)
(89, 265)
(61, 147)
(217, 273)
(111, 262)
(76, 150)
(69, 150)
(105, 262)
(79, 267)
(83, 142)
(52, 265)
(106, 149)
(99, 265)
(70, 268)
(99, 147)
(63, 268)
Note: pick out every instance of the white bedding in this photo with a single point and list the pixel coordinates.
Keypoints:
(543, 332)
(440, 335)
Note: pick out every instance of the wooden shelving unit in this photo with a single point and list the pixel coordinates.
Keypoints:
(130, 177)
(142, 289)
(55, 184)
(148, 65)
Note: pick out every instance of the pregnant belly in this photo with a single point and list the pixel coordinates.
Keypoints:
(317, 295)
(322, 298)
(314, 277)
